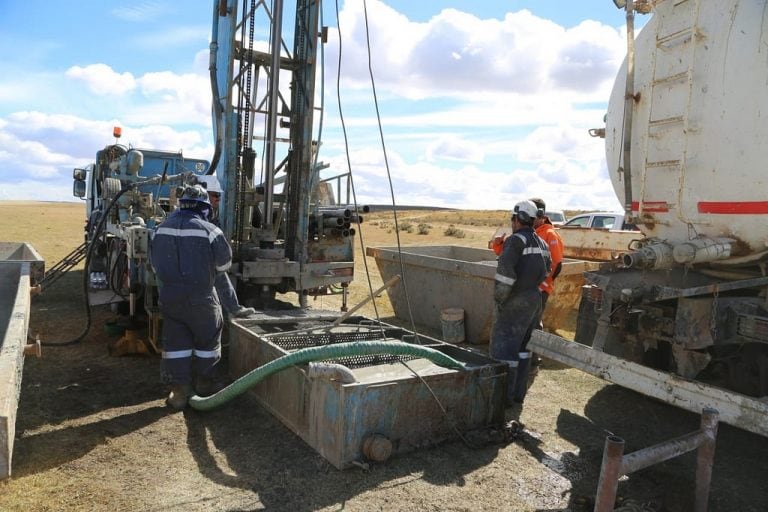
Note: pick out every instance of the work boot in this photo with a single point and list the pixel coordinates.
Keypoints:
(243, 312)
(206, 386)
(178, 397)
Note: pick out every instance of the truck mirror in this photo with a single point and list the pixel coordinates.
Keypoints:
(79, 174)
(78, 188)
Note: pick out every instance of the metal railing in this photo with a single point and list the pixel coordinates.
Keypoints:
(616, 464)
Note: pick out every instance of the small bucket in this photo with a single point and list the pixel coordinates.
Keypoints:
(452, 320)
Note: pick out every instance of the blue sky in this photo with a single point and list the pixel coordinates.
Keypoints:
(491, 105)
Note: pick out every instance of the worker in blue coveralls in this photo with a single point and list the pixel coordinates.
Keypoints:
(222, 283)
(187, 252)
(523, 265)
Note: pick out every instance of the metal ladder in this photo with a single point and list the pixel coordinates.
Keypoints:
(63, 266)
(669, 101)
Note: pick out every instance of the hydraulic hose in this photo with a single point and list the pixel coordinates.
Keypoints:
(91, 244)
(324, 352)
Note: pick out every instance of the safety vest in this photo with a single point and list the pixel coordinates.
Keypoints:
(555, 245)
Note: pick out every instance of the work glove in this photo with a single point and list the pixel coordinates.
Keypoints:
(501, 292)
(243, 312)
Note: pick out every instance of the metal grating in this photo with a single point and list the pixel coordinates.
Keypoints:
(298, 340)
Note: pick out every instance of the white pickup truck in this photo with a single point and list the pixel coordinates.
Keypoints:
(598, 236)
(600, 220)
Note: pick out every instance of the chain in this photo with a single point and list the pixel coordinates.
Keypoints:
(713, 317)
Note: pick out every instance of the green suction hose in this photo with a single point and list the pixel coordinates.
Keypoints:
(324, 352)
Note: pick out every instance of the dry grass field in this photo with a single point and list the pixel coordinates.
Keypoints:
(93, 433)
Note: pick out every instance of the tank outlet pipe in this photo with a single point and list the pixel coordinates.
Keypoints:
(331, 371)
(34, 349)
(702, 250)
(654, 256)
(321, 353)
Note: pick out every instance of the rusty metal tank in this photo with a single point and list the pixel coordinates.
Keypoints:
(698, 131)
(451, 276)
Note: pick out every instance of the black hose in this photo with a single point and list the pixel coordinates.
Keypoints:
(97, 232)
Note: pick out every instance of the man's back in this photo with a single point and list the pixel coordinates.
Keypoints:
(186, 253)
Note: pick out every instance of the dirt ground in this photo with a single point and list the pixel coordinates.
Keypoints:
(92, 431)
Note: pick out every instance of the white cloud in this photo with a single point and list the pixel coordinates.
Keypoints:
(48, 147)
(452, 147)
(103, 80)
(31, 158)
(458, 54)
(143, 12)
(168, 37)
(162, 97)
(176, 98)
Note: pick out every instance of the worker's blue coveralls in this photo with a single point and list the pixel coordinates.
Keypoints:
(223, 284)
(187, 253)
(522, 267)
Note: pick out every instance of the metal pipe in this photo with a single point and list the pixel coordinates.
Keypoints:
(651, 455)
(629, 107)
(336, 212)
(332, 222)
(391, 282)
(702, 250)
(654, 256)
(610, 471)
(274, 97)
(705, 459)
(331, 371)
(616, 464)
(33, 349)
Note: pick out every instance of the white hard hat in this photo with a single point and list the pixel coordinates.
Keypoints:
(525, 211)
(193, 195)
(211, 183)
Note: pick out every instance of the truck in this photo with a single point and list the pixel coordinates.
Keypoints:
(600, 220)
(682, 314)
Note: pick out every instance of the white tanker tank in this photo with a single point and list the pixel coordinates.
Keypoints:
(686, 145)
(698, 131)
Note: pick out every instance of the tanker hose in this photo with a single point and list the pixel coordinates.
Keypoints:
(321, 353)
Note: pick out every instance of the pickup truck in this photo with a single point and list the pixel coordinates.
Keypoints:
(600, 220)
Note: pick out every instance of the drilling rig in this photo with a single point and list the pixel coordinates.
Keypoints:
(384, 389)
(266, 157)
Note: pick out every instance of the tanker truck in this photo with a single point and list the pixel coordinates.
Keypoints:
(682, 315)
